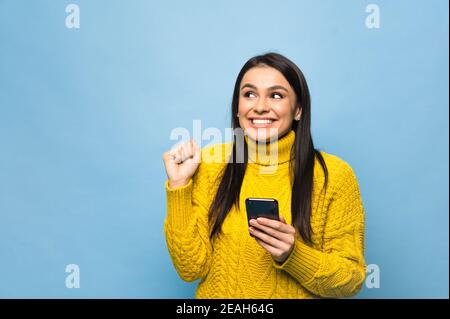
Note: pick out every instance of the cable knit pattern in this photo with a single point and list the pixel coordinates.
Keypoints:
(233, 265)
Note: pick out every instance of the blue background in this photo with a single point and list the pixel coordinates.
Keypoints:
(85, 115)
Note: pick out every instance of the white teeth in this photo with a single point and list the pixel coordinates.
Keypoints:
(261, 121)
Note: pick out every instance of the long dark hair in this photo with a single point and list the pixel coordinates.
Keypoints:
(303, 153)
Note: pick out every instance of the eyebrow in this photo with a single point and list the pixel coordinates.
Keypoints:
(275, 87)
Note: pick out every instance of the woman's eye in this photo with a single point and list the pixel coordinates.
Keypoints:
(274, 95)
(278, 94)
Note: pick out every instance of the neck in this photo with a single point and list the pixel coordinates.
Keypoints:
(271, 153)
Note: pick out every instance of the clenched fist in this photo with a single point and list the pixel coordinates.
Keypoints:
(181, 163)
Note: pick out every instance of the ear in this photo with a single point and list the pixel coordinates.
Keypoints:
(298, 113)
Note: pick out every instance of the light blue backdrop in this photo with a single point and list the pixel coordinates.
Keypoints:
(85, 115)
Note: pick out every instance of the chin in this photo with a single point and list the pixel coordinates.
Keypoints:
(262, 134)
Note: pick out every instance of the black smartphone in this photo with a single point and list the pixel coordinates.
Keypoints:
(262, 207)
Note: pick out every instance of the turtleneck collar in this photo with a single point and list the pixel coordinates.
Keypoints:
(273, 153)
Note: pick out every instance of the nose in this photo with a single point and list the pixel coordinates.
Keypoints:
(261, 106)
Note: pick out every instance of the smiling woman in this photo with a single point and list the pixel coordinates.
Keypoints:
(266, 110)
(315, 249)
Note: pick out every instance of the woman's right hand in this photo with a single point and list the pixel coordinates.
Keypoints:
(181, 163)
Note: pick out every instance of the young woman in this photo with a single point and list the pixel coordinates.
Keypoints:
(316, 249)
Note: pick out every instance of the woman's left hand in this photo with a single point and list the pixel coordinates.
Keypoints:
(275, 236)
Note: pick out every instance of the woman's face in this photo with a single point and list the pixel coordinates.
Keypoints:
(267, 104)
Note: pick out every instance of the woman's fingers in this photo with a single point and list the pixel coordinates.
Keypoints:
(174, 156)
(187, 150)
(272, 250)
(277, 237)
(180, 164)
(270, 231)
(277, 225)
(197, 152)
(272, 241)
(184, 151)
(180, 154)
(190, 149)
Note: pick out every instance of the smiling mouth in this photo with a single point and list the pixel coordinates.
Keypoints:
(261, 121)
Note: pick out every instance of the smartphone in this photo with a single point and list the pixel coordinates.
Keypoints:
(262, 207)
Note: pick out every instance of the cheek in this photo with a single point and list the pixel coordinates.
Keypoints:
(244, 106)
(284, 111)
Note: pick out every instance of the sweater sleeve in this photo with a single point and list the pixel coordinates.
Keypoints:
(186, 226)
(338, 270)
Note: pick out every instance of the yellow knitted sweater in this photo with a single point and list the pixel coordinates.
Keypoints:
(233, 265)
